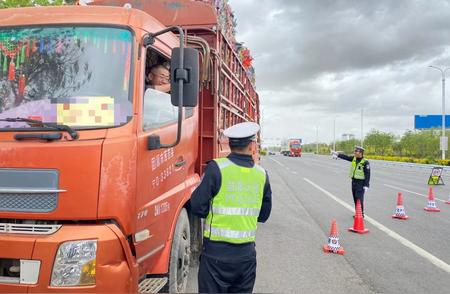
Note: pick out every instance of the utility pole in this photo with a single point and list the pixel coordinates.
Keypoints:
(317, 140)
(444, 139)
(334, 134)
(362, 138)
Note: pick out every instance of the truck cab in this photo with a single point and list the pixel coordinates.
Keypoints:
(295, 147)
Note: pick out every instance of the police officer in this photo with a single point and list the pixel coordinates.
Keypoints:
(359, 173)
(234, 194)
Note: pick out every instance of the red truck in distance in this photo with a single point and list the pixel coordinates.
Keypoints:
(295, 147)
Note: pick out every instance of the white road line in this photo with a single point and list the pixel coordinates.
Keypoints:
(277, 162)
(294, 172)
(422, 252)
(412, 192)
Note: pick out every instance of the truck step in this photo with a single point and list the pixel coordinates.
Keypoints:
(152, 285)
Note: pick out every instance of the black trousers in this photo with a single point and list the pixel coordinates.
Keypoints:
(216, 276)
(358, 193)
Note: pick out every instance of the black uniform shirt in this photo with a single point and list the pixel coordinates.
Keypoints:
(200, 201)
(366, 168)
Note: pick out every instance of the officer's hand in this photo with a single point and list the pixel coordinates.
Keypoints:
(366, 189)
(334, 154)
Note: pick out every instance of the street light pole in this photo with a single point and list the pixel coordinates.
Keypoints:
(443, 141)
(317, 140)
(362, 138)
(334, 134)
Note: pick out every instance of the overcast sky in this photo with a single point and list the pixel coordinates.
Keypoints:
(317, 61)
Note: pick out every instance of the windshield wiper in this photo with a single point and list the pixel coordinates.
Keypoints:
(38, 123)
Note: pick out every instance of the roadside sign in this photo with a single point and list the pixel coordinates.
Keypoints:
(436, 176)
(444, 143)
(430, 121)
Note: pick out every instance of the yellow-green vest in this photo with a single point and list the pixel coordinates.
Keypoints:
(357, 169)
(234, 211)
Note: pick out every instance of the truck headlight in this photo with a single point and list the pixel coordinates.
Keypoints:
(75, 264)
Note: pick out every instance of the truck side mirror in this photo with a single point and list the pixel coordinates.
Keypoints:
(189, 74)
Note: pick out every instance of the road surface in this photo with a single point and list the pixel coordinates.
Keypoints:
(396, 256)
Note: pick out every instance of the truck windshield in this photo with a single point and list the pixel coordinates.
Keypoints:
(76, 76)
(296, 146)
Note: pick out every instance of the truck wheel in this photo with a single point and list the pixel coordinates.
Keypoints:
(180, 255)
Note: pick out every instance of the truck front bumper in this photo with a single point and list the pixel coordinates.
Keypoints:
(115, 270)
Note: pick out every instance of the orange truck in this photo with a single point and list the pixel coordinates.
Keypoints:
(97, 167)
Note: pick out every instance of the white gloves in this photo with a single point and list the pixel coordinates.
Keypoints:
(366, 189)
(334, 154)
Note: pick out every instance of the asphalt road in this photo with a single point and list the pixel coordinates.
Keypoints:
(396, 256)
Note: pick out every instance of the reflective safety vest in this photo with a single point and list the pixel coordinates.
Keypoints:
(357, 169)
(234, 211)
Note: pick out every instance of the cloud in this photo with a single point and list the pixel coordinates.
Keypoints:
(320, 60)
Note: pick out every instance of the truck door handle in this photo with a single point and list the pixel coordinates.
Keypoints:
(180, 163)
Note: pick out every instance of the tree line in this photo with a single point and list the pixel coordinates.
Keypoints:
(422, 145)
(25, 3)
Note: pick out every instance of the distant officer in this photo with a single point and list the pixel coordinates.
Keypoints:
(233, 196)
(359, 173)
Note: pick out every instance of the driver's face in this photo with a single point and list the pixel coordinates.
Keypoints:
(159, 76)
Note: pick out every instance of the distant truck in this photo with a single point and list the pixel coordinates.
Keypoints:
(285, 148)
(295, 147)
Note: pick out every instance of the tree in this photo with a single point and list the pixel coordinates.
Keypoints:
(347, 146)
(379, 143)
(421, 144)
(25, 3)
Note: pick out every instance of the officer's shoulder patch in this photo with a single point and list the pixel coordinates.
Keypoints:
(367, 165)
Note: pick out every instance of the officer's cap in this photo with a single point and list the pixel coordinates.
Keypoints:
(241, 134)
(359, 148)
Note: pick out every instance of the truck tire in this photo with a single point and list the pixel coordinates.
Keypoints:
(180, 255)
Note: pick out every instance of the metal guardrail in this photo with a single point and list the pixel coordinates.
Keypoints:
(410, 164)
(399, 163)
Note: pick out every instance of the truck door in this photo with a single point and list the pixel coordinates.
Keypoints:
(160, 175)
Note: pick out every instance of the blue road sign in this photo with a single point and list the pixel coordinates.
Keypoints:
(430, 121)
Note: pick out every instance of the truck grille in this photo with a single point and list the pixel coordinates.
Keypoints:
(28, 228)
(29, 190)
(28, 202)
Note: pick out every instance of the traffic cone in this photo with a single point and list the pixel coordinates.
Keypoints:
(358, 223)
(333, 241)
(448, 201)
(400, 210)
(431, 206)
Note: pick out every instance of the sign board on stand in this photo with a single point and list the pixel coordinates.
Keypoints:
(436, 176)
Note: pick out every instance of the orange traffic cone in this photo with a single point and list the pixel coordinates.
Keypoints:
(333, 241)
(400, 210)
(358, 224)
(431, 206)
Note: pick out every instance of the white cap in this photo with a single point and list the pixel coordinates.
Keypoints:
(359, 148)
(242, 133)
(242, 130)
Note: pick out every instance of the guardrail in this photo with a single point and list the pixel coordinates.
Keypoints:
(411, 164)
(399, 163)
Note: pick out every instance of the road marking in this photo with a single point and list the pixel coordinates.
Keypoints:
(294, 172)
(412, 192)
(277, 162)
(422, 252)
